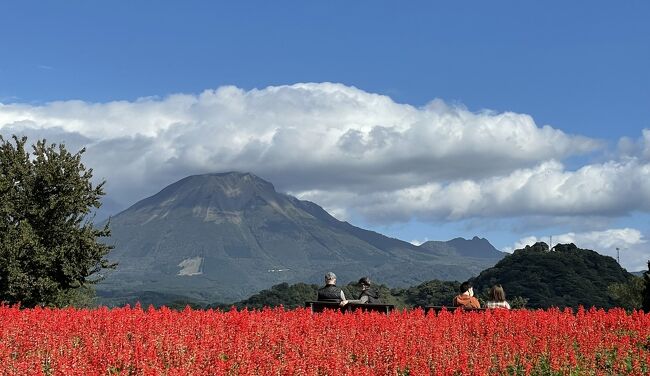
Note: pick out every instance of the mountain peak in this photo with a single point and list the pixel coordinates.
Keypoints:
(223, 191)
(227, 181)
(476, 247)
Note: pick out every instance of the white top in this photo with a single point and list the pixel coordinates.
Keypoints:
(503, 304)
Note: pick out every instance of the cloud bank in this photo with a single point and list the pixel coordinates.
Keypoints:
(353, 152)
(607, 189)
(304, 137)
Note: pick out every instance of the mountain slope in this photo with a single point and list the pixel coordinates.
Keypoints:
(222, 237)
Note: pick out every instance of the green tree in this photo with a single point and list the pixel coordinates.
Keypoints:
(518, 302)
(289, 296)
(628, 295)
(50, 253)
(646, 292)
(430, 293)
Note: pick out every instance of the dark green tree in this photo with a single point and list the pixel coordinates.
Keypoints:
(628, 295)
(434, 292)
(50, 252)
(289, 296)
(646, 291)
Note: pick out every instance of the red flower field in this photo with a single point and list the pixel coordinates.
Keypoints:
(133, 341)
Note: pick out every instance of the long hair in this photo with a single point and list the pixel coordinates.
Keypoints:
(497, 294)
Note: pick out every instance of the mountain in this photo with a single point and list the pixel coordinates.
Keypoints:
(565, 276)
(476, 248)
(222, 237)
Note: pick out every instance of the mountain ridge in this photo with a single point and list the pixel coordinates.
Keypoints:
(476, 247)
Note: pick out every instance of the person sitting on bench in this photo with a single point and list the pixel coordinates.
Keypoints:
(497, 298)
(330, 292)
(466, 298)
(368, 295)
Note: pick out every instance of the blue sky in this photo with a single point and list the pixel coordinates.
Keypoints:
(579, 67)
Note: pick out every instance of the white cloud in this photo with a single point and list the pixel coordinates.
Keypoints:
(609, 189)
(636, 149)
(351, 151)
(633, 248)
(646, 144)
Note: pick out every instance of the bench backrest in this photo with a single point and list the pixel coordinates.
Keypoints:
(320, 306)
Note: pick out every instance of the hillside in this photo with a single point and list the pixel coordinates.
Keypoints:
(566, 276)
(223, 237)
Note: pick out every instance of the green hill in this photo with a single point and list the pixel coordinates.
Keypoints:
(565, 276)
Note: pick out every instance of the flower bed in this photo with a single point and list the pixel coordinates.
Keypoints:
(135, 341)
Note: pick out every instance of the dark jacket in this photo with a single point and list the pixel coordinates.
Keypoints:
(329, 292)
(367, 296)
(373, 296)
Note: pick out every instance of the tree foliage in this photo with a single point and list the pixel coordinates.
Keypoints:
(430, 293)
(564, 277)
(628, 295)
(646, 291)
(49, 249)
(283, 294)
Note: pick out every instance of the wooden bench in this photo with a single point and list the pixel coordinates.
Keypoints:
(320, 306)
(437, 309)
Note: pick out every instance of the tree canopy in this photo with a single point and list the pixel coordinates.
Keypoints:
(50, 251)
(628, 295)
(289, 296)
(566, 276)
